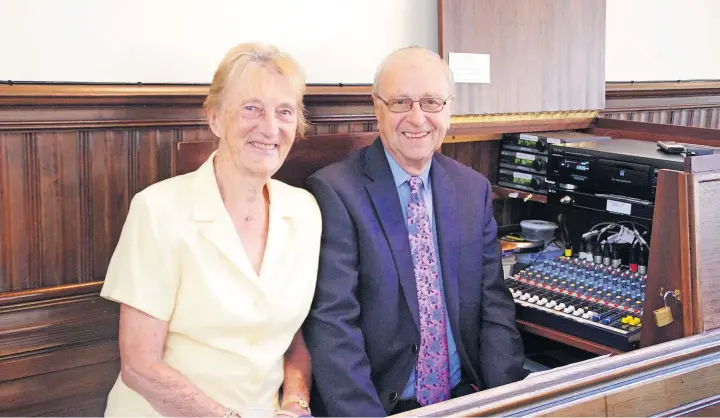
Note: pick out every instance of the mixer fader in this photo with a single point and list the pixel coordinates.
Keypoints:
(592, 301)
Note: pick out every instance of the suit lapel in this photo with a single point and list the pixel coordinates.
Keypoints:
(383, 194)
(445, 206)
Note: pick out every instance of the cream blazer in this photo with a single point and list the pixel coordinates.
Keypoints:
(180, 260)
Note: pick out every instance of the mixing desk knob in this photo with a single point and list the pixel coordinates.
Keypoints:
(542, 301)
(533, 299)
(560, 307)
(569, 309)
(577, 312)
(551, 304)
(525, 296)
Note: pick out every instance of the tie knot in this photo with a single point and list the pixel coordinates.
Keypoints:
(415, 183)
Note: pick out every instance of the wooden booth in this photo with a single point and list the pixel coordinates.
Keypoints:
(73, 156)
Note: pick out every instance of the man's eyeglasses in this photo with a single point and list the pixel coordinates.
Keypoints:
(427, 104)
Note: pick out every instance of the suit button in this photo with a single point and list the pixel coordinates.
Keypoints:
(414, 348)
(393, 396)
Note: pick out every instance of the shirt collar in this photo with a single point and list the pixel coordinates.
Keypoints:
(209, 203)
(401, 176)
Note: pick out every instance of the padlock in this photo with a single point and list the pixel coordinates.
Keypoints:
(663, 316)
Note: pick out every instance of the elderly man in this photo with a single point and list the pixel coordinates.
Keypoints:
(411, 308)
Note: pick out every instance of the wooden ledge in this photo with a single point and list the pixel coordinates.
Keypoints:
(577, 342)
(661, 89)
(84, 94)
(556, 386)
(46, 293)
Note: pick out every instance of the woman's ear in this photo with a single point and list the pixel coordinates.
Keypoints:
(214, 121)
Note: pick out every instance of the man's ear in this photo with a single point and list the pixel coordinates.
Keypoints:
(214, 121)
(450, 105)
(377, 105)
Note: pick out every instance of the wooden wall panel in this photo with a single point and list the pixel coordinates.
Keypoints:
(482, 157)
(699, 118)
(65, 196)
(545, 55)
(18, 207)
(704, 227)
(58, 357)
(69, 165)
(68, 392)
(695, 103)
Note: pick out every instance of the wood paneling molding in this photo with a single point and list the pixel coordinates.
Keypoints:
(85, 94)
(682, 103)
(615, 90)
(47, 293)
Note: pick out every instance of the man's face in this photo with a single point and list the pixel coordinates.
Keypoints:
(412, 136)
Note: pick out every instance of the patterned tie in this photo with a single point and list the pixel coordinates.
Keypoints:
(433, 370)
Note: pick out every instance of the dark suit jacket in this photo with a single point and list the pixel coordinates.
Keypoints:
(363, 329)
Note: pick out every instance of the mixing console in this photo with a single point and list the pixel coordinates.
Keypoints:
(592, 301)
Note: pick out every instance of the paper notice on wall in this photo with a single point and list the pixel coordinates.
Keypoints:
(470, 68)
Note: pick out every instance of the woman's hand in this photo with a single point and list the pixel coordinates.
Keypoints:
(292, 410)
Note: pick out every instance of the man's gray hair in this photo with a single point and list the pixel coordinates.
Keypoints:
(411, 51)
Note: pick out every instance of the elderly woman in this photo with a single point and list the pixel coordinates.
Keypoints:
(215, 270)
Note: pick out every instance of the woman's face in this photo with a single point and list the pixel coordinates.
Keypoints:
(257, 121)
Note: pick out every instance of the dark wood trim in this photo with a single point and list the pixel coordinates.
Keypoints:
(658, 104)
(71, 356)
(614, 90)
(441, 50)
(568, 339)
(670, 235)
(37, 327)
(164, 94)
(84, 106)
(86, 94)
(45, 293)
(96, 106)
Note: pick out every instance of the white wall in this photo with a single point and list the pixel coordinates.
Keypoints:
(182, 41)
(662, 40)
(337, 41)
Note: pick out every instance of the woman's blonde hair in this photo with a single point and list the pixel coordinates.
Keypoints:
(242, 56)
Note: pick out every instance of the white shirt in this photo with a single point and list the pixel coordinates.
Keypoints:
(180, 260)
